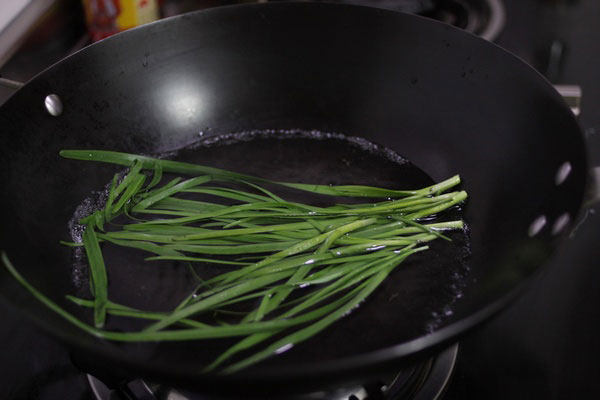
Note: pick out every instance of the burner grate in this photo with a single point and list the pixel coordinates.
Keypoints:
(485, 18)
(424, 381)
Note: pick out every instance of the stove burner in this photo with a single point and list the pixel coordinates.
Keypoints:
(407, 6)
(425, 381)
(484, 18)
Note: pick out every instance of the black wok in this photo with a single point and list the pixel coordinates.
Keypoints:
(448, 101)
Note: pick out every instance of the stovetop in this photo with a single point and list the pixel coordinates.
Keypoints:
(546, 345)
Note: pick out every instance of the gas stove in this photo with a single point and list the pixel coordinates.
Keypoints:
(544, 346)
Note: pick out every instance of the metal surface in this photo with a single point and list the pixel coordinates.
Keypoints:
(53, 36)
(440, 375)
(485, 18)
(496, 21)
(572, 96)
(99, 390)
(228, 85)
(425, 381)
(594, 186)
(53, 105)
(17, 20)
(11, 84)
(134, 390)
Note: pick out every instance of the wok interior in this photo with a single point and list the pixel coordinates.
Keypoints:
(447, 101)
(407, 305)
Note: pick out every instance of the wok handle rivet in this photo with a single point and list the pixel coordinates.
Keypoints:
(561, 222)
(562, 173)
(537, 225)
(53, 105)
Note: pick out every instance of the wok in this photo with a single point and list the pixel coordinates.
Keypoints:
(447, 101)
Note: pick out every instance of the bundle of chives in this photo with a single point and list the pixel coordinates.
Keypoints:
(343, 251)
